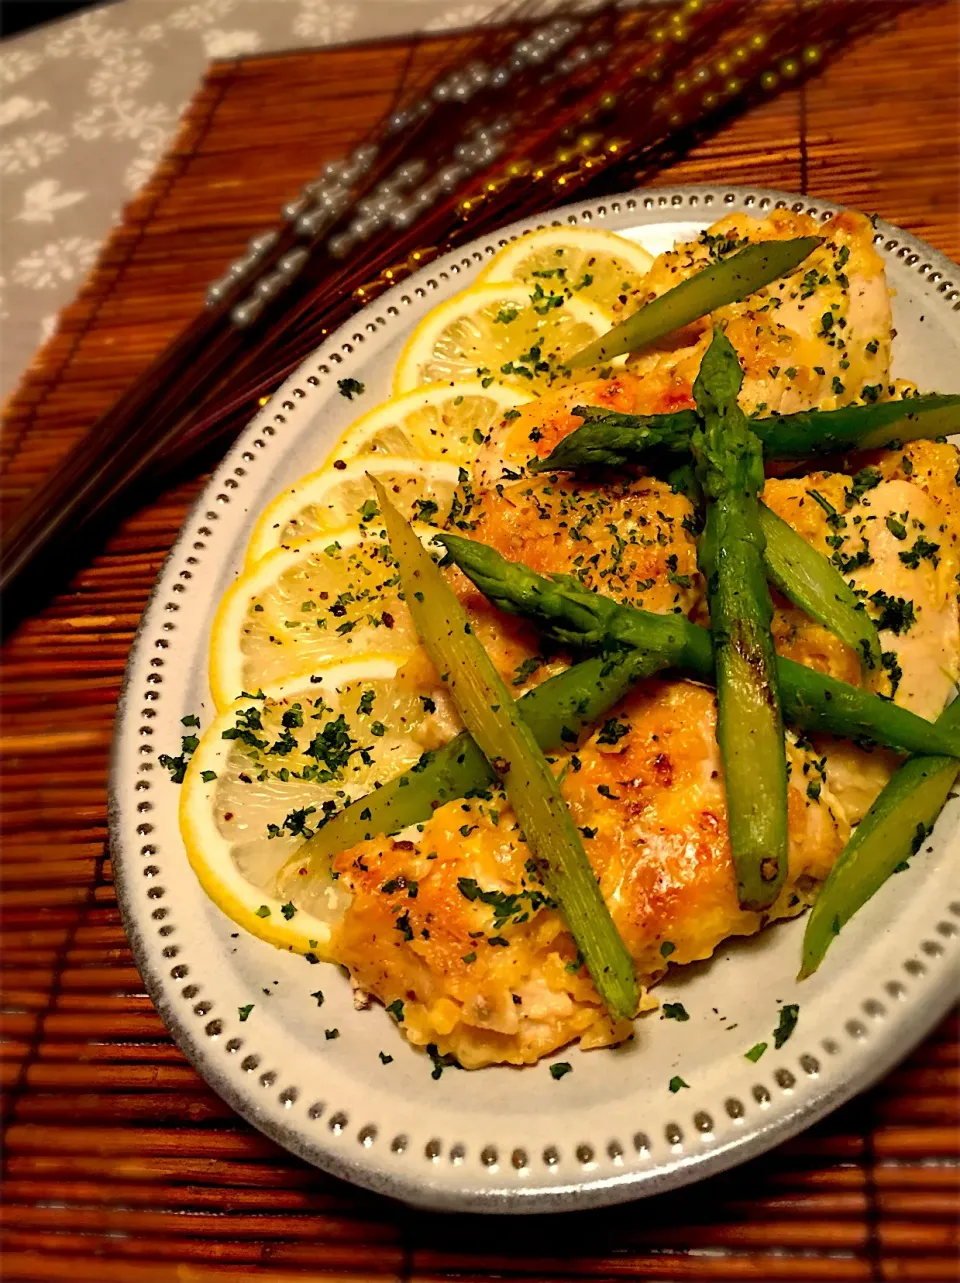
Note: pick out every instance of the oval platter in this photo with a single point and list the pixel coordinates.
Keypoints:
(502, 1139)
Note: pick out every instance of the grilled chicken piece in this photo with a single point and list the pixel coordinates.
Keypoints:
(894, 530)
(816, 338)
(632, 540)
(454, 923)
(479, 959)
(629, 540)
(455, 926)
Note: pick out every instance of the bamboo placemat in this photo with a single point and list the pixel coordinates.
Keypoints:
(120, 1164)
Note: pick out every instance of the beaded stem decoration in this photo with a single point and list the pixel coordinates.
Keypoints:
(579, 101)
(629, 92)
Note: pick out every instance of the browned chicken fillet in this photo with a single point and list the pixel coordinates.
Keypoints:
(646, 787)
(454, 925)
(451, 922)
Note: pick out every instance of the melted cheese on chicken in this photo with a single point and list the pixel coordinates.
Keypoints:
(892, 529)
(456, 925)
(632, 540)
(814, 338)
(452, 922)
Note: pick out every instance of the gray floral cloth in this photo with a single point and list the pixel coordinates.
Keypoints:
(88, 105)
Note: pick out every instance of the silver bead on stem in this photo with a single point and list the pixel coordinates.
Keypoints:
(257, 249)
(244, 314)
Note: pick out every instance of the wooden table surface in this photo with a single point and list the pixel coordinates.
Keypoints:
(120, 1163)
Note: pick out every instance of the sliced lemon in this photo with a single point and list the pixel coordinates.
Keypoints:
(588, 263)
(302, 608)
(269, 769)
(439, 422)
(336, 499)
(500, 334)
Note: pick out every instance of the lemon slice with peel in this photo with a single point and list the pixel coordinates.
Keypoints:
(337, 498)
(587, 263)
(296, 610)
(268, 770)
(512, 334)
(444, 423)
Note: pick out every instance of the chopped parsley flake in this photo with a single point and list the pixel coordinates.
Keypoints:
(896, 613)
(676, 1082)
(788, 1022)
(526, 669)
(612, 731)
(516, 907)
(560, 1069)
(350, 388)
(888, 660)
(244, 1012)
(922, 550)
(675, 1011)
(755, 1052)
(441, 1062)
(896, 528)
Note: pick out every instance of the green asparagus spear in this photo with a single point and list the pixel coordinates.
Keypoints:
(487, 709)
(562, 608)
(556, 710)
(609, 439)
(729, 465)
(873, 426)
(728, 281)
(814, 584)
(893, 829)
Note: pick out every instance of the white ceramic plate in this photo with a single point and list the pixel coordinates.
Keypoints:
(505, 1140)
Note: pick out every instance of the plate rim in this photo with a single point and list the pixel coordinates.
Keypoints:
(912, 1022)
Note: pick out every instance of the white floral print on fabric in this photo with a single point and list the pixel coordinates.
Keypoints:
(230, 44)
(201, 14)
(15, 64)
(463, 15)
(140, 168)
(323, 20)
(88, 105)
(120, 69)
(13, 110)
(28, 151)
(48, 326)
(88, 36)
(124, 119)
(43, 199)
(66, 259)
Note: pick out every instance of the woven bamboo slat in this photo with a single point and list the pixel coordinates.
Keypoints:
(121, 1165)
